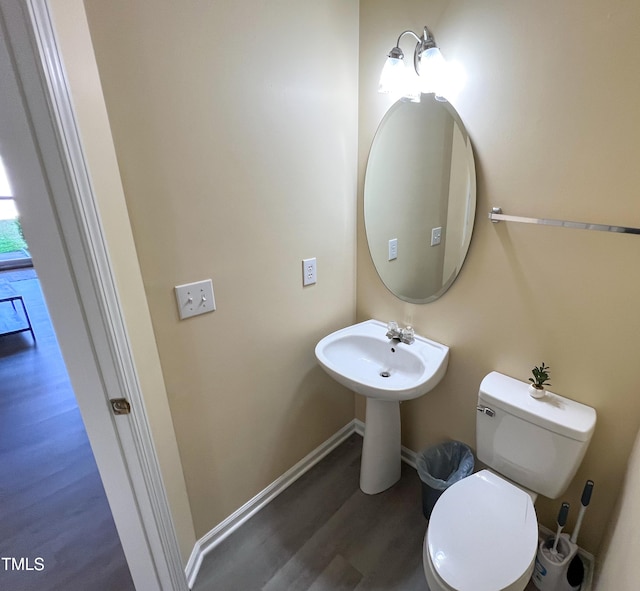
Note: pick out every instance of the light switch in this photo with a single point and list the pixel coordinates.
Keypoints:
(195, 298)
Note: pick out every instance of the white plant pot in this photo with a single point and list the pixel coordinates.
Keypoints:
(536, 392)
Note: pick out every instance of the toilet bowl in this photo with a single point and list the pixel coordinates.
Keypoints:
(482, 536)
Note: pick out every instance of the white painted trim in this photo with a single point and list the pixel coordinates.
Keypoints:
(221, 531)
(225, 528)
(359, 427)
(408, 456)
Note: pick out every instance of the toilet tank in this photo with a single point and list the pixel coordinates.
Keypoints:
(537, 443)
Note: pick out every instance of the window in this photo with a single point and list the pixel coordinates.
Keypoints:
(13, 248)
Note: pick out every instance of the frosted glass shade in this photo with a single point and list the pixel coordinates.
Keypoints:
(399, 80)
(392, 76)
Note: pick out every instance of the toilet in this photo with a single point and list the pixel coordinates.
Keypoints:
(483, 531)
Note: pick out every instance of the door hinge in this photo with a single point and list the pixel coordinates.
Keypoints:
(120, 406)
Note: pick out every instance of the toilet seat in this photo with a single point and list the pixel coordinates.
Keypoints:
(482, 535)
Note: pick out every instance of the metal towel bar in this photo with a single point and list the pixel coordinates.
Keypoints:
(496, 215)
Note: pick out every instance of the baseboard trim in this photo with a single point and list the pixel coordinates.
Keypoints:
(210, 540)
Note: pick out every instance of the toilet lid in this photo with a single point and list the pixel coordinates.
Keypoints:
(482, 534)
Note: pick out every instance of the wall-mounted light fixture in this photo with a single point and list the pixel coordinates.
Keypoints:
(427, 75)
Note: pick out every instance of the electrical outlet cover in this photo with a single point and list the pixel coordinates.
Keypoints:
(309, 272)
(393, 249)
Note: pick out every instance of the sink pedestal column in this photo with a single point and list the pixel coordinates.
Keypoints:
(381, 448)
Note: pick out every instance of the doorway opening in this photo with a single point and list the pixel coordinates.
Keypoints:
(58, 529)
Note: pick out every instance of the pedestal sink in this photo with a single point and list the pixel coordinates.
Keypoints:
(387, 372)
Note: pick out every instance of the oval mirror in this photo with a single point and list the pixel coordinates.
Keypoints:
(420, 198)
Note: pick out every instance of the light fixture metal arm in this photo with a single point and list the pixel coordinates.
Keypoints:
(427, 41)
(418, 39)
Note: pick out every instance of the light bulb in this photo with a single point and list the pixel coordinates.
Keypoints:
(432, 71)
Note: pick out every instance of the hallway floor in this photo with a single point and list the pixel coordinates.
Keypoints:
(52, 503)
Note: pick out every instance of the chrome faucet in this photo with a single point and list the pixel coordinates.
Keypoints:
(404, 335)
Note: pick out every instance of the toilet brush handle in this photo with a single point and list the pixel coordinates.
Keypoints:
(586, 493)
(584, 501)
(562, 516)
(562, 521)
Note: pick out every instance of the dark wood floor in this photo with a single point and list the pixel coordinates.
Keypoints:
(52, 503)
(323, 533)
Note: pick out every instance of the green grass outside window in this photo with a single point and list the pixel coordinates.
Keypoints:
(11, 236)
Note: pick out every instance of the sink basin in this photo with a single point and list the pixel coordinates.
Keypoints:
(364, 360)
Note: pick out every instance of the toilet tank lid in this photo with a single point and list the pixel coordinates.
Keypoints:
(556, 413)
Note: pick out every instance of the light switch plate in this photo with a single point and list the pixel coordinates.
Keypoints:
(195, 298)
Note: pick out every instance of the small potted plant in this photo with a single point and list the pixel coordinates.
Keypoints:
(539, 381)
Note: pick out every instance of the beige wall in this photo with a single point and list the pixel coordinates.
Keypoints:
(619, 557)
(551, 108)
(235, 131)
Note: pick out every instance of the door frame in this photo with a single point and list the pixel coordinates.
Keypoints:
(43, 151)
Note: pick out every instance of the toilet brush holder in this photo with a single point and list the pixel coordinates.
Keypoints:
(551, 572)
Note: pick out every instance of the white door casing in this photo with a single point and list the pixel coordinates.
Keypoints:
(40, 144)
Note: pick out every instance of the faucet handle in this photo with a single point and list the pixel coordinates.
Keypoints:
(408, 334)
(392, 326)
